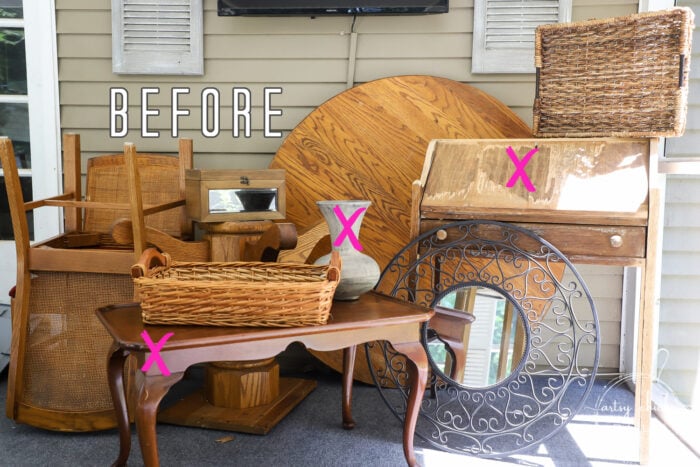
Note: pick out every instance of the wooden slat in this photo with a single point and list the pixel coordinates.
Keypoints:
(564, 216)
(63, 201)
(648, 302)
(147, 210)
(80, 204)
(20, 319)
(58, 200)
(81, 260)
(72, 181)
(136, 200)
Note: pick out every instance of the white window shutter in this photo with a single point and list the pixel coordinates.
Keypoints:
(476, 374)
(157, 37)
(504, 32)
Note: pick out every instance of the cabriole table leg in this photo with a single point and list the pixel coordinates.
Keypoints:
(418, 376)
(117, 359)
(348, 369)
(151, 389)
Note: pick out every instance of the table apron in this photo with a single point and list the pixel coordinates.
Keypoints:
(178, 360)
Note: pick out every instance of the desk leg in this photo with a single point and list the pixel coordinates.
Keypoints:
(418, 376)
(115, 374)
(348, 369)
(151, 389)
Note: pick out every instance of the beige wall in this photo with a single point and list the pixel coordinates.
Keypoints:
(308, 59)
(679, 346)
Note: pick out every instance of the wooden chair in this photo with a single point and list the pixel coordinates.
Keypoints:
(57, 377)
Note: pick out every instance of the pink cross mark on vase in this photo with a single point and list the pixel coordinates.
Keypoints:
(347, 227)
(155, 356)
(520, 168)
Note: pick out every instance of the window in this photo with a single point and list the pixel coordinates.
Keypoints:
(504, 32)
(157, 37)
(29, 116)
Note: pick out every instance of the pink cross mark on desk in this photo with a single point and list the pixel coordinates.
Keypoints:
(155, 356)
(520, 168)
(347, 227)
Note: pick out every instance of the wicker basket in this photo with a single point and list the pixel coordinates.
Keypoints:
(234, 294)
(624, 76)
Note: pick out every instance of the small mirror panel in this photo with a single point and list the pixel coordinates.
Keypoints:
(243, 200)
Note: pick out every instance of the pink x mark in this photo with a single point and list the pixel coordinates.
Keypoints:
(155, 356)
(520, 168)
(347, 227)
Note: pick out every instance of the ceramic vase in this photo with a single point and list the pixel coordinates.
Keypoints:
(359, 272)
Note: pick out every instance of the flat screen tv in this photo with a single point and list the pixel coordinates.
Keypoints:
(329, 7)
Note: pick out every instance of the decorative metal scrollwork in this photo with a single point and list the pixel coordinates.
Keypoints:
(552, 365)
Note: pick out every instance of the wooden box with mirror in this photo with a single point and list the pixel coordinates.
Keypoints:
(235, 195)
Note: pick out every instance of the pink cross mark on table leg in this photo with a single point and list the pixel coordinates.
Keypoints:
(347, 227)
(155, 356)
(520, 168)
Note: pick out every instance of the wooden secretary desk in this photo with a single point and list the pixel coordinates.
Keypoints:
(599, 201)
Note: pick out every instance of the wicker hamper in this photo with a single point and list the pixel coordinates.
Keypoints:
(625, 76)
(235, 293)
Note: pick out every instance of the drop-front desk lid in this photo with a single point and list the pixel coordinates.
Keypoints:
(580, 181)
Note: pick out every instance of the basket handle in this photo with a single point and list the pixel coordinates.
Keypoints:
(334, 267)
(150, 258)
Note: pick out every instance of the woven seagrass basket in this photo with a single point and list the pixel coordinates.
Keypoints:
(625, 76)
(235, 293)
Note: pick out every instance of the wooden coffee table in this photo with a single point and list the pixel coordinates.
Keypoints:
(372, 317)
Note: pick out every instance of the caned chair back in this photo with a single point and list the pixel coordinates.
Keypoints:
(162, 181)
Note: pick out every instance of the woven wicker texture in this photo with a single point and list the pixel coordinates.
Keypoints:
(237, 294)
(624, 76)
(67, 346)
(107, 181)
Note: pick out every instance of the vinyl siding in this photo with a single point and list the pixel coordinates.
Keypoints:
(309, 60)
(679, 327)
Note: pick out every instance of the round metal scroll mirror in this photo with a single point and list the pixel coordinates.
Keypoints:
(513, 346)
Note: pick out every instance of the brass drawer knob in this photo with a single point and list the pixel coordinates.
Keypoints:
(616, 241)
(441, 234)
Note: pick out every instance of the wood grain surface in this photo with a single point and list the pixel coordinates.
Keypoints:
(369, 142)
(576, 181)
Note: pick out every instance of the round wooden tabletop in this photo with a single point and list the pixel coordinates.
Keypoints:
(369, 142)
